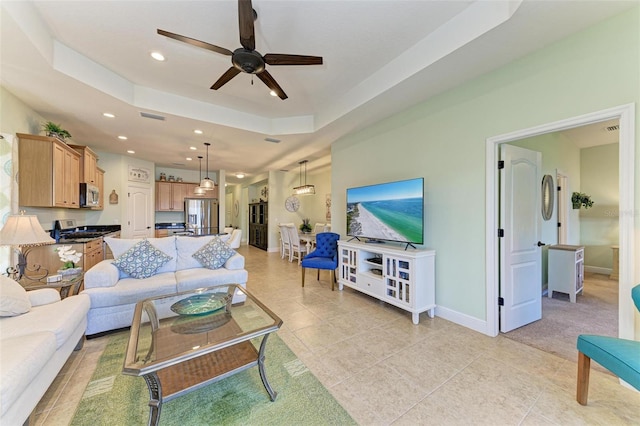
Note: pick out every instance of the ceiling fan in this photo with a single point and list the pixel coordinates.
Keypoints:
(246, 58)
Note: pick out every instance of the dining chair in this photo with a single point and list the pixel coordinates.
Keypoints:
(297, 248)
(234, 240)
(318, 228)
(325, 256)
(327, 228)
(285, 242)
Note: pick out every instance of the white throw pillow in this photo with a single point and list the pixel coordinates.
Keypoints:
(13, 298)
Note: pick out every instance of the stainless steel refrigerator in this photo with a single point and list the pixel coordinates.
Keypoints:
(201, 216)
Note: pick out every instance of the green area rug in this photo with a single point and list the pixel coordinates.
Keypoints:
(112, 398)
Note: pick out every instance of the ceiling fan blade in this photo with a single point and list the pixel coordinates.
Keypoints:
(283, 59)
(194, 42)
(245, 18)
(224, 79)
(272, 84)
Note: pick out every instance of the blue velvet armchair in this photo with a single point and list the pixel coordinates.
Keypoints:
(325, 256)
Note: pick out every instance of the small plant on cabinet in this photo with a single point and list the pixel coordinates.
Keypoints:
(579, 199)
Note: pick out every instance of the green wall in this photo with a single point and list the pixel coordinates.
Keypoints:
(444, 138)
(599, 224)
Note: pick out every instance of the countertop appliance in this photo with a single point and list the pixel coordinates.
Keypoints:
(201, 216)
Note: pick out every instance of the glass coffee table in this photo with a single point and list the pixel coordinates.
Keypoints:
(68, 285)
(182, 342)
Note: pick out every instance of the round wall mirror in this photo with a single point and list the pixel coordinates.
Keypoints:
(547, 197)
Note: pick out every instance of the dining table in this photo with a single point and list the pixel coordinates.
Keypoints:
(309, 238)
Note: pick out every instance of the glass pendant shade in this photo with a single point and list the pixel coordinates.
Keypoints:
(207, 184)
(198, 190)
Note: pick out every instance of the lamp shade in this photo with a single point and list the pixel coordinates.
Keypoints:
(24, 230)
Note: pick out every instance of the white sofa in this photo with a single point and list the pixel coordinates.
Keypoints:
(35, 342)
(114, 294)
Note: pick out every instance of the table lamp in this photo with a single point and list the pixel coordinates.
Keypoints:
(25, 232)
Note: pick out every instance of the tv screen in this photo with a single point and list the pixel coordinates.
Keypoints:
(390, 211)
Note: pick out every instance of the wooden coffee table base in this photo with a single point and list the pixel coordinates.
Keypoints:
(176, 380)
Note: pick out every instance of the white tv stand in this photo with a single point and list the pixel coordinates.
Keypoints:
(403, 278)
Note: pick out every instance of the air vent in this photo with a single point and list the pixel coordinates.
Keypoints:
(151, 116)
(613, 128)
(177, 164)
(272, 140)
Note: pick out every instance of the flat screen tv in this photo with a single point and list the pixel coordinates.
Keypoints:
(390, 211)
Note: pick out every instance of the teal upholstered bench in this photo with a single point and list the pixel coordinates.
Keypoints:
(620, 356)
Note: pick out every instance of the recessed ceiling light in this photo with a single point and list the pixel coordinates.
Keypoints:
(123, 138)
(130, 151)
(239, 175)
(108, 115)
(197, 131)
(272, 93)
(193, 148)
(157, 56)
(189, 158)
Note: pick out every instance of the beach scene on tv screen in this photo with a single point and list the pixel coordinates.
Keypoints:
(390, 211)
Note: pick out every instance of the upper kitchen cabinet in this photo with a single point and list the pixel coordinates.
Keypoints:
(88, 165)
(49, 172)
(100, 185)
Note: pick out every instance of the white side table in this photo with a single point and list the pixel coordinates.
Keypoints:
(566, 270)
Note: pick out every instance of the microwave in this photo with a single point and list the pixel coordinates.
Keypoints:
(89, 195)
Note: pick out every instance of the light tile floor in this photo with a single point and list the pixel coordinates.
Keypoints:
(385, 370)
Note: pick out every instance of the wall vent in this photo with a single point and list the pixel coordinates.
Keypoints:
(151, 116)
(613, 128)
(272, 140)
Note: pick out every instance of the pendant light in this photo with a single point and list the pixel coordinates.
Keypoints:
(304, 189)
(197, 190)
(207, 184)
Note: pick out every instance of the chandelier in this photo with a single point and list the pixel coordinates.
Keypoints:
(206, 183)
(304, 189)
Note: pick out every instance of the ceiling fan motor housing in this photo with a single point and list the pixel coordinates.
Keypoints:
(248, 61)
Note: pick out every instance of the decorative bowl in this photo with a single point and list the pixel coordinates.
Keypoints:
(200, 304)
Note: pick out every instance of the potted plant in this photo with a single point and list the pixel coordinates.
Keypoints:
(55, 130)
(306, 226)
(580, 199)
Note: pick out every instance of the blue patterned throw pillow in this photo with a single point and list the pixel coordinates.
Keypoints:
(214, 254)
(142, 260)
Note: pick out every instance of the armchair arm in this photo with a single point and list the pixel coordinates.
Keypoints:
(43, 296)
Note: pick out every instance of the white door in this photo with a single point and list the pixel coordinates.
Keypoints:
(140, 212)
(520, 254)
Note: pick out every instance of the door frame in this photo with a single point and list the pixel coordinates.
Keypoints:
(626, 154)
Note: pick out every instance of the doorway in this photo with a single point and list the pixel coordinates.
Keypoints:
(626, 116)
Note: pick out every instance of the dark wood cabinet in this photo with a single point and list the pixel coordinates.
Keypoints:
(258, 225)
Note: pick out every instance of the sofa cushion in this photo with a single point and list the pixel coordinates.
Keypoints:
(22, 358)
(186, 247)
(142, 260)
(60, 318)
(190, 279)
(214, 254)
(13, 298)
(132, 290)
(167, 245)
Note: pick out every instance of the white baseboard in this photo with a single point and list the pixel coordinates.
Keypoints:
(597, 270)
(464, 320)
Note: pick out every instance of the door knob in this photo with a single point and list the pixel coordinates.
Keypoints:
(540, 244)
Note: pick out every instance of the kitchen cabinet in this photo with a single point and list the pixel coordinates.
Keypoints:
(49, 172)
(100, 185)
(170, 195)
(88, 164)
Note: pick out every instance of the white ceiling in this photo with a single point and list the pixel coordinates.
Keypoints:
(71, 61)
